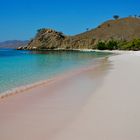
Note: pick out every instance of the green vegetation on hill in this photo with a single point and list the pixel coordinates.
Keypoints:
(107, 45)
(119, 45)
(132, 45)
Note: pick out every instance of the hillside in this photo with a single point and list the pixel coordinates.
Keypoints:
(122, 29)
(13, 44)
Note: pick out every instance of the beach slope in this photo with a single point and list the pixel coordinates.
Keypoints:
(101, 103)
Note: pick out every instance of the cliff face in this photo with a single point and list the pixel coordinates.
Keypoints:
(51, 39)
(47, 39)
(121, 29)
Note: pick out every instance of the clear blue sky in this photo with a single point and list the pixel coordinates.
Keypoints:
(19, 19)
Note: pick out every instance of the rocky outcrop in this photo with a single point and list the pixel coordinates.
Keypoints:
(121, 29)
(51, 39)
(47, 39)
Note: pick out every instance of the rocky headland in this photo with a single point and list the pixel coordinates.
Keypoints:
(124, 29)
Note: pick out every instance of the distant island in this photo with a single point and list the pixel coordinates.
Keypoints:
(121, 34)
(13, 44)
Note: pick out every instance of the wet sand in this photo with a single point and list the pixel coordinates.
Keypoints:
(99, 103)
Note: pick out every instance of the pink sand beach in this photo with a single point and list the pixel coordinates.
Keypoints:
(100, 102)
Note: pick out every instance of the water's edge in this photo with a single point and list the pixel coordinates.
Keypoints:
(70, 73)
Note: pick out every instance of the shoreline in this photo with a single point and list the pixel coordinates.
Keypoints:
(41, 112)
(112, 112)
(46, 82)
(20, 89)
(85, 50)
(100, 103)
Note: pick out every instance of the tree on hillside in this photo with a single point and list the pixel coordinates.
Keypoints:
(41, 30)
(116, 17)
(87, 29)
(112, 44)
(101, 45)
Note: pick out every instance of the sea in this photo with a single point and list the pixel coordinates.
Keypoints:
(23, 67)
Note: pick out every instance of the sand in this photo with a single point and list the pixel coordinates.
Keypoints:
(100, 103)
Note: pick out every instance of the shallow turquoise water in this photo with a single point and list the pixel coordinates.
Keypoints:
(19, 68)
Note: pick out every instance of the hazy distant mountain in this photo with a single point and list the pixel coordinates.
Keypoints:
(13, 44)
(120, 29)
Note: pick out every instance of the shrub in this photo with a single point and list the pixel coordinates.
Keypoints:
(121, 45)
(112, 45)
(132, 45)
(108, 25)
(116, 17)
(41, 30)
(101, 45)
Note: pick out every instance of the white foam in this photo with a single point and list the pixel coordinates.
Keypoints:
(22, 88)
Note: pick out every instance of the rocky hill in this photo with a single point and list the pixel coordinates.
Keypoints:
(120, 29)
(13, 44)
